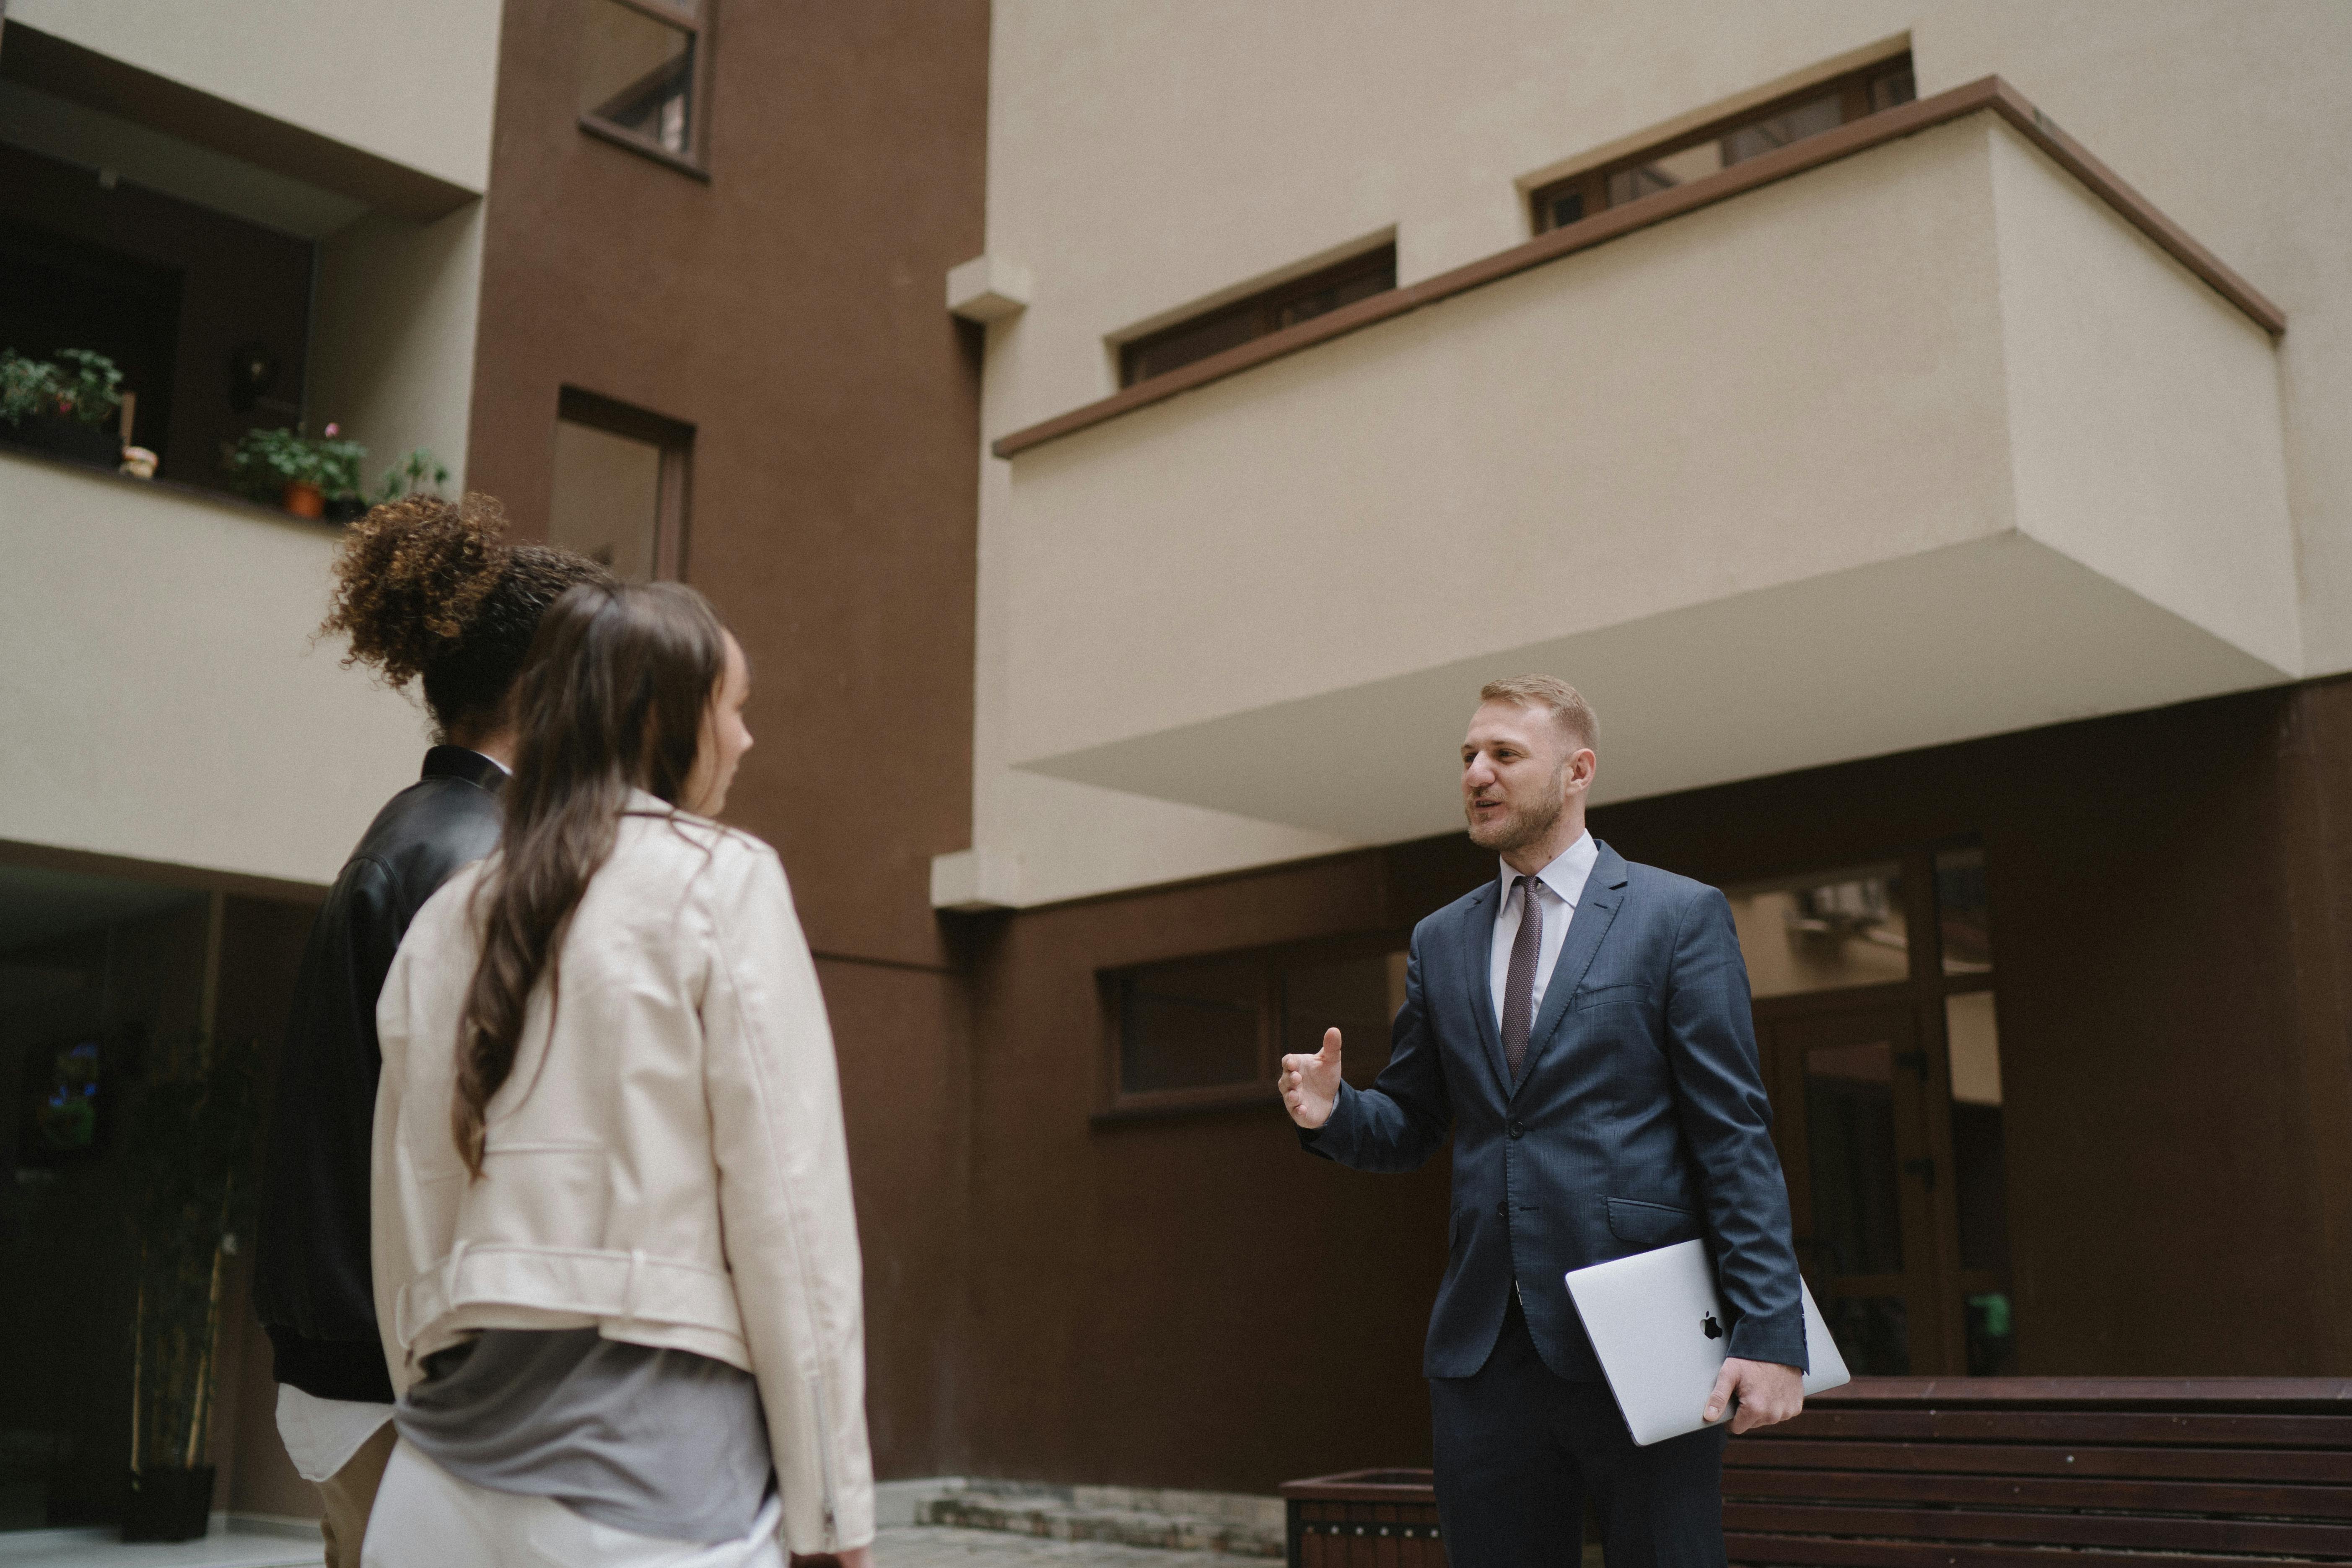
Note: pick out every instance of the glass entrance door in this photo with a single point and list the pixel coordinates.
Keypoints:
(1875, 1019)
(1849, 1091)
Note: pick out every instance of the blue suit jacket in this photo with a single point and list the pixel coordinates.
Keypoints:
(1639, 1118)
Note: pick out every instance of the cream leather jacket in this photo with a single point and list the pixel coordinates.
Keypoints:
(665, 1161)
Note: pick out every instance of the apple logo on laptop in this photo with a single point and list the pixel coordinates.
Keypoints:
(1714, 1331)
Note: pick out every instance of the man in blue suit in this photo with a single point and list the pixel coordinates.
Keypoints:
(1581, 1025)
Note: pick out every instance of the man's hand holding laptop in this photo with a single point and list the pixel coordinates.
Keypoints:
(1769, 1392)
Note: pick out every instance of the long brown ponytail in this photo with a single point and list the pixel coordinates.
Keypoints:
(610, 699)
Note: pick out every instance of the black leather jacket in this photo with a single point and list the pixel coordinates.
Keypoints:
(311, 1283)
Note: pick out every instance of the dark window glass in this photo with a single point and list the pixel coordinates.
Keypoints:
(1960, 910)
(1720, 146)
(1286, 305)
(619, 495)
(1895, 87)
(1792, 125)
(607, 501)
(1358, 996)
(1850, 1126)
(1195, 340)
(637, 73)
(1193, 1026)
(1823, 933)
(1872, 1332)
(1344, 291)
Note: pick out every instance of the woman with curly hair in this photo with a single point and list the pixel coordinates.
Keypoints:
(428, 593)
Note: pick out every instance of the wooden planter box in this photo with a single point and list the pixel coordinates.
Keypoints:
(1364, 1518)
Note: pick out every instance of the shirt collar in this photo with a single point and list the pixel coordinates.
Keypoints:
(1566, 874)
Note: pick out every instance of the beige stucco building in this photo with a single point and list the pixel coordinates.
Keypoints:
(1927, 443)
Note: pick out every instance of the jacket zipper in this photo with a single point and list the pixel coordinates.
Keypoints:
(824, 1460)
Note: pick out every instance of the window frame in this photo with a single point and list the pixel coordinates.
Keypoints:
(695, 18)
(1593, 185)
(675, 440)
(1116, 1103)
(1265, 306)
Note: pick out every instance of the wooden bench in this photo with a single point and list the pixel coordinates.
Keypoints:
(2006, 1472)
(1993, 1472)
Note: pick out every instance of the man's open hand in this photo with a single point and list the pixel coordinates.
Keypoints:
(1311, 1085)
(1769, 1392)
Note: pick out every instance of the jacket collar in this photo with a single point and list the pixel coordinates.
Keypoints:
(1475, 951)
(458, 763)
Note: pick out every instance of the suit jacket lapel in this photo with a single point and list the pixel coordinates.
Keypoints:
(1476, 934)
(1604, 892)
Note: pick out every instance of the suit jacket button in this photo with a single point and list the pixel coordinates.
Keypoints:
(1516, 1129)
(1503, 1211)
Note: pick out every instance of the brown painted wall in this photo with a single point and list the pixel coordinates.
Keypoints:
(1196, 1302)
(790, 310)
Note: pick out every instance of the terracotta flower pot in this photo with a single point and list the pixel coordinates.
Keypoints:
(304, 498)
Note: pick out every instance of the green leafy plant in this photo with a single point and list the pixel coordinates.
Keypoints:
(191, 1143)
(264, 462)
(85, 387)
(420, 470)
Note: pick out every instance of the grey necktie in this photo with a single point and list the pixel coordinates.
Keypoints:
(1519, 986)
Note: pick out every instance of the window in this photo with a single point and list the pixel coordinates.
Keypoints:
(641, 68)
(620, 487)
(1824, 931)
(1728, 142)
(1214, 1030)
(1285, 305)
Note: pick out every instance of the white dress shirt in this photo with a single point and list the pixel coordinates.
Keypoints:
(1556, 887)
(321, 1435)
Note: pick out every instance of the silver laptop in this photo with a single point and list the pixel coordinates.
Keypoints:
(1658, 1325)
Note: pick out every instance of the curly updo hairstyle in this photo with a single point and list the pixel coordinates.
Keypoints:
(426, 591)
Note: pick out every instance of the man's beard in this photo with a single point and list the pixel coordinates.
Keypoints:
(1522, 826)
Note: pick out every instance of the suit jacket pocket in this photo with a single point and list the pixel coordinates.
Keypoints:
(1640, 1224)
(1605, 996)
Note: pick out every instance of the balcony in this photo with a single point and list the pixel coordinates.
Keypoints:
(163, 698)
(259, 239)
(1929, 433)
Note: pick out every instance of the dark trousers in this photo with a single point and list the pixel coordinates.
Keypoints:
(1519, 1448)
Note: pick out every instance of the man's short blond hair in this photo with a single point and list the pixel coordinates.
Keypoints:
(1565, 703)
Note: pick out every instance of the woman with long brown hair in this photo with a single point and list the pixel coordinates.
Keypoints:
(616, 1264)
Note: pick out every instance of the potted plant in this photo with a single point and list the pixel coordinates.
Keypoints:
(420, 472)
(191, 1142)
(285, 467)
(65, 406)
